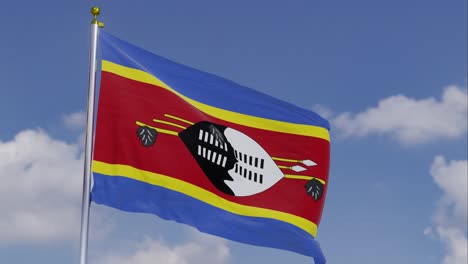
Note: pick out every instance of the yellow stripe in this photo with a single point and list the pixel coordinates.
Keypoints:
(246, 120)
(161, 130)
(298, 177)
(201, 194)
(178, 118)
(168, 123)
(302, 177)
(286, 160)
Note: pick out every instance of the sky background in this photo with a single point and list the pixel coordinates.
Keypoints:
(391, 76)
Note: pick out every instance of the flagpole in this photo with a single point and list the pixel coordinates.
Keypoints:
(85, 203)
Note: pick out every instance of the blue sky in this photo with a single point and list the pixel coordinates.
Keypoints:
(391, 76)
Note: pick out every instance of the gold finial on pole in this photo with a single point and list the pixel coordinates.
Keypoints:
(95, 11)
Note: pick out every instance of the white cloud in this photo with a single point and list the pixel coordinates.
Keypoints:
(456, 244)
(75, 120)
(452, 178)
(203, 249)
(410, 120)
(428, 232)
(450, 216)
(323, 111)
(41, 187)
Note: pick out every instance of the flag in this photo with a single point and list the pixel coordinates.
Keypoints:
(198, 149)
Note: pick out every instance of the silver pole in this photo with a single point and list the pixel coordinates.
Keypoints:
(85, 203)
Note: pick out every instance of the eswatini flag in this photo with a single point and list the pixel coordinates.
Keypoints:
(198, 149)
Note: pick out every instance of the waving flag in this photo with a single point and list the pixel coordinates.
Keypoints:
(198, 149)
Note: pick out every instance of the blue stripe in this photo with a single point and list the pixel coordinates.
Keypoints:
(204, 87)
(135, 196)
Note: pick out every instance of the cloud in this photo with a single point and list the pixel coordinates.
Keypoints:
(456, 244)
(452, 178)
(410, 120)
(450, 216)
(323, 111)
(428, 232)
(41, 188)
(202, 249)
(75, 120)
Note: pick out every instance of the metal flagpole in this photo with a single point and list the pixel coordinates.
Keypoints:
(95, 24)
